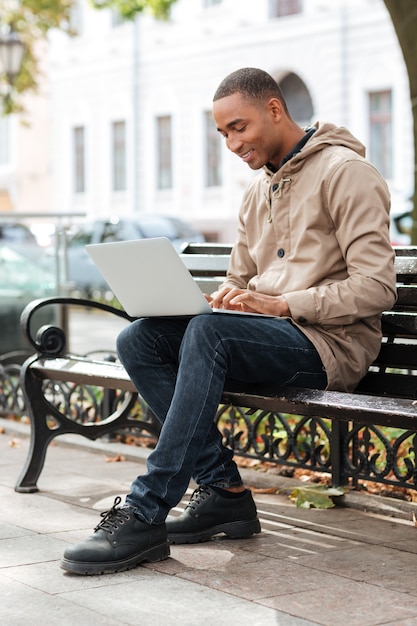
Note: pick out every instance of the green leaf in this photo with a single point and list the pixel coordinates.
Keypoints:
(130, 8)
(316, 496)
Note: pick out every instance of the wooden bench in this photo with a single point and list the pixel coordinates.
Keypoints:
(342, 434)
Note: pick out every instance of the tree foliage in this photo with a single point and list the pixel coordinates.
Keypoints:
(32, 20)
(129, 8)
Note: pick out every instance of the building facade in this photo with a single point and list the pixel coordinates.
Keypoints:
(130, 102)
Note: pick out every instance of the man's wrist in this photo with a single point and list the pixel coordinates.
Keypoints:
(285, 309)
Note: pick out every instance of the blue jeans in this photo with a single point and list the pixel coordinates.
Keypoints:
(180, 367)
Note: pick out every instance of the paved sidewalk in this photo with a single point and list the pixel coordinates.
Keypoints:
(340, 566)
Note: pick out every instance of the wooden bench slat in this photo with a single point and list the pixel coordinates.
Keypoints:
(405, 251)
(386, 411)
(207, 249)
(84, 371)
(394, 385)
(407, 297)
(406, 266)
(206, 265)
(401, 324)
(397, 355)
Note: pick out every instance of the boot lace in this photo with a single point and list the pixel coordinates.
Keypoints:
(198, 496)
(113, 518)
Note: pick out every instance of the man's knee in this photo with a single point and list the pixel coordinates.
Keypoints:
(202, 331)
(130, 335)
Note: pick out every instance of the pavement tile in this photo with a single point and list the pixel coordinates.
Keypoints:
(246, 578)
(43, 514)
(380, 566)
(30, 549)
(213, 555)
(137, 602)
(385, 531)
(11, 531)
(403, 622)
(406, 545)
(293, 543)
(348, 604)
(22, 605)
(50, 578)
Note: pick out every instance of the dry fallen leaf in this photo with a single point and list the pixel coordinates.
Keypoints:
(115, 459)
(263, 489)
(14, 443)
(244, 462)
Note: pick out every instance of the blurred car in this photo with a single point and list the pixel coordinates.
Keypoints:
(400, 228)
(19, 237)
(21, 281)
(81, 271)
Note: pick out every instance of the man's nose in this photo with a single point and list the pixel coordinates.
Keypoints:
(234, 143)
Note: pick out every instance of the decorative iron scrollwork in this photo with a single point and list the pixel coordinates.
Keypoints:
(369, 454)
(276, 437)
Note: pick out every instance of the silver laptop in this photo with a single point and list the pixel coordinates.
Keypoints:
(149, 279)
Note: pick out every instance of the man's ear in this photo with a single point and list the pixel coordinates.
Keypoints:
(276, 109)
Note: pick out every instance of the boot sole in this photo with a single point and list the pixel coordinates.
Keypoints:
(152, 555)
(233, 530)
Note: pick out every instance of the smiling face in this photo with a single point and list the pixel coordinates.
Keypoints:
(252, 130)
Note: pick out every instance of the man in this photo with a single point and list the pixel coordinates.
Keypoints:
(313, 250)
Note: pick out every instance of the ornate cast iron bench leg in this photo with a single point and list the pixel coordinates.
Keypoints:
(41, 434)
(48, 422)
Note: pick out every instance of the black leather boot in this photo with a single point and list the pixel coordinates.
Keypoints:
(208, 514)
(120, 542)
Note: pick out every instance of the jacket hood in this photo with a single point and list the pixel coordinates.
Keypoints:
(332, 135)
(326, 135)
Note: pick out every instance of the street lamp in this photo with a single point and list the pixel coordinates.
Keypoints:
(12, 50)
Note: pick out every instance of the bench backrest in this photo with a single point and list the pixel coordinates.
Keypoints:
(207, 263)
(395, 369)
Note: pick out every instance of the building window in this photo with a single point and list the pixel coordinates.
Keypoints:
(298, 99)
(76, 20)
(281, 8)
(164, 151)
(212, 152)
(4, 140)
(119, 155)
(380, 135)
(116, 18)
(79, 159)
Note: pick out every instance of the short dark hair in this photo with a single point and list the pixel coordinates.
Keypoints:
(252, 83)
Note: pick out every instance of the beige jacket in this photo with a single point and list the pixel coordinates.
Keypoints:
(317, 232)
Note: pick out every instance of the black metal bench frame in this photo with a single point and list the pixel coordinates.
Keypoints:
(336, 430)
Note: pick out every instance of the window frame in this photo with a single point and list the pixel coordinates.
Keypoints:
(381, 131)
(164, 170)
(119, 160)
(79, 156)
(212, 153)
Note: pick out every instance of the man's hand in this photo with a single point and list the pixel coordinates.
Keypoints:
(249, 301)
